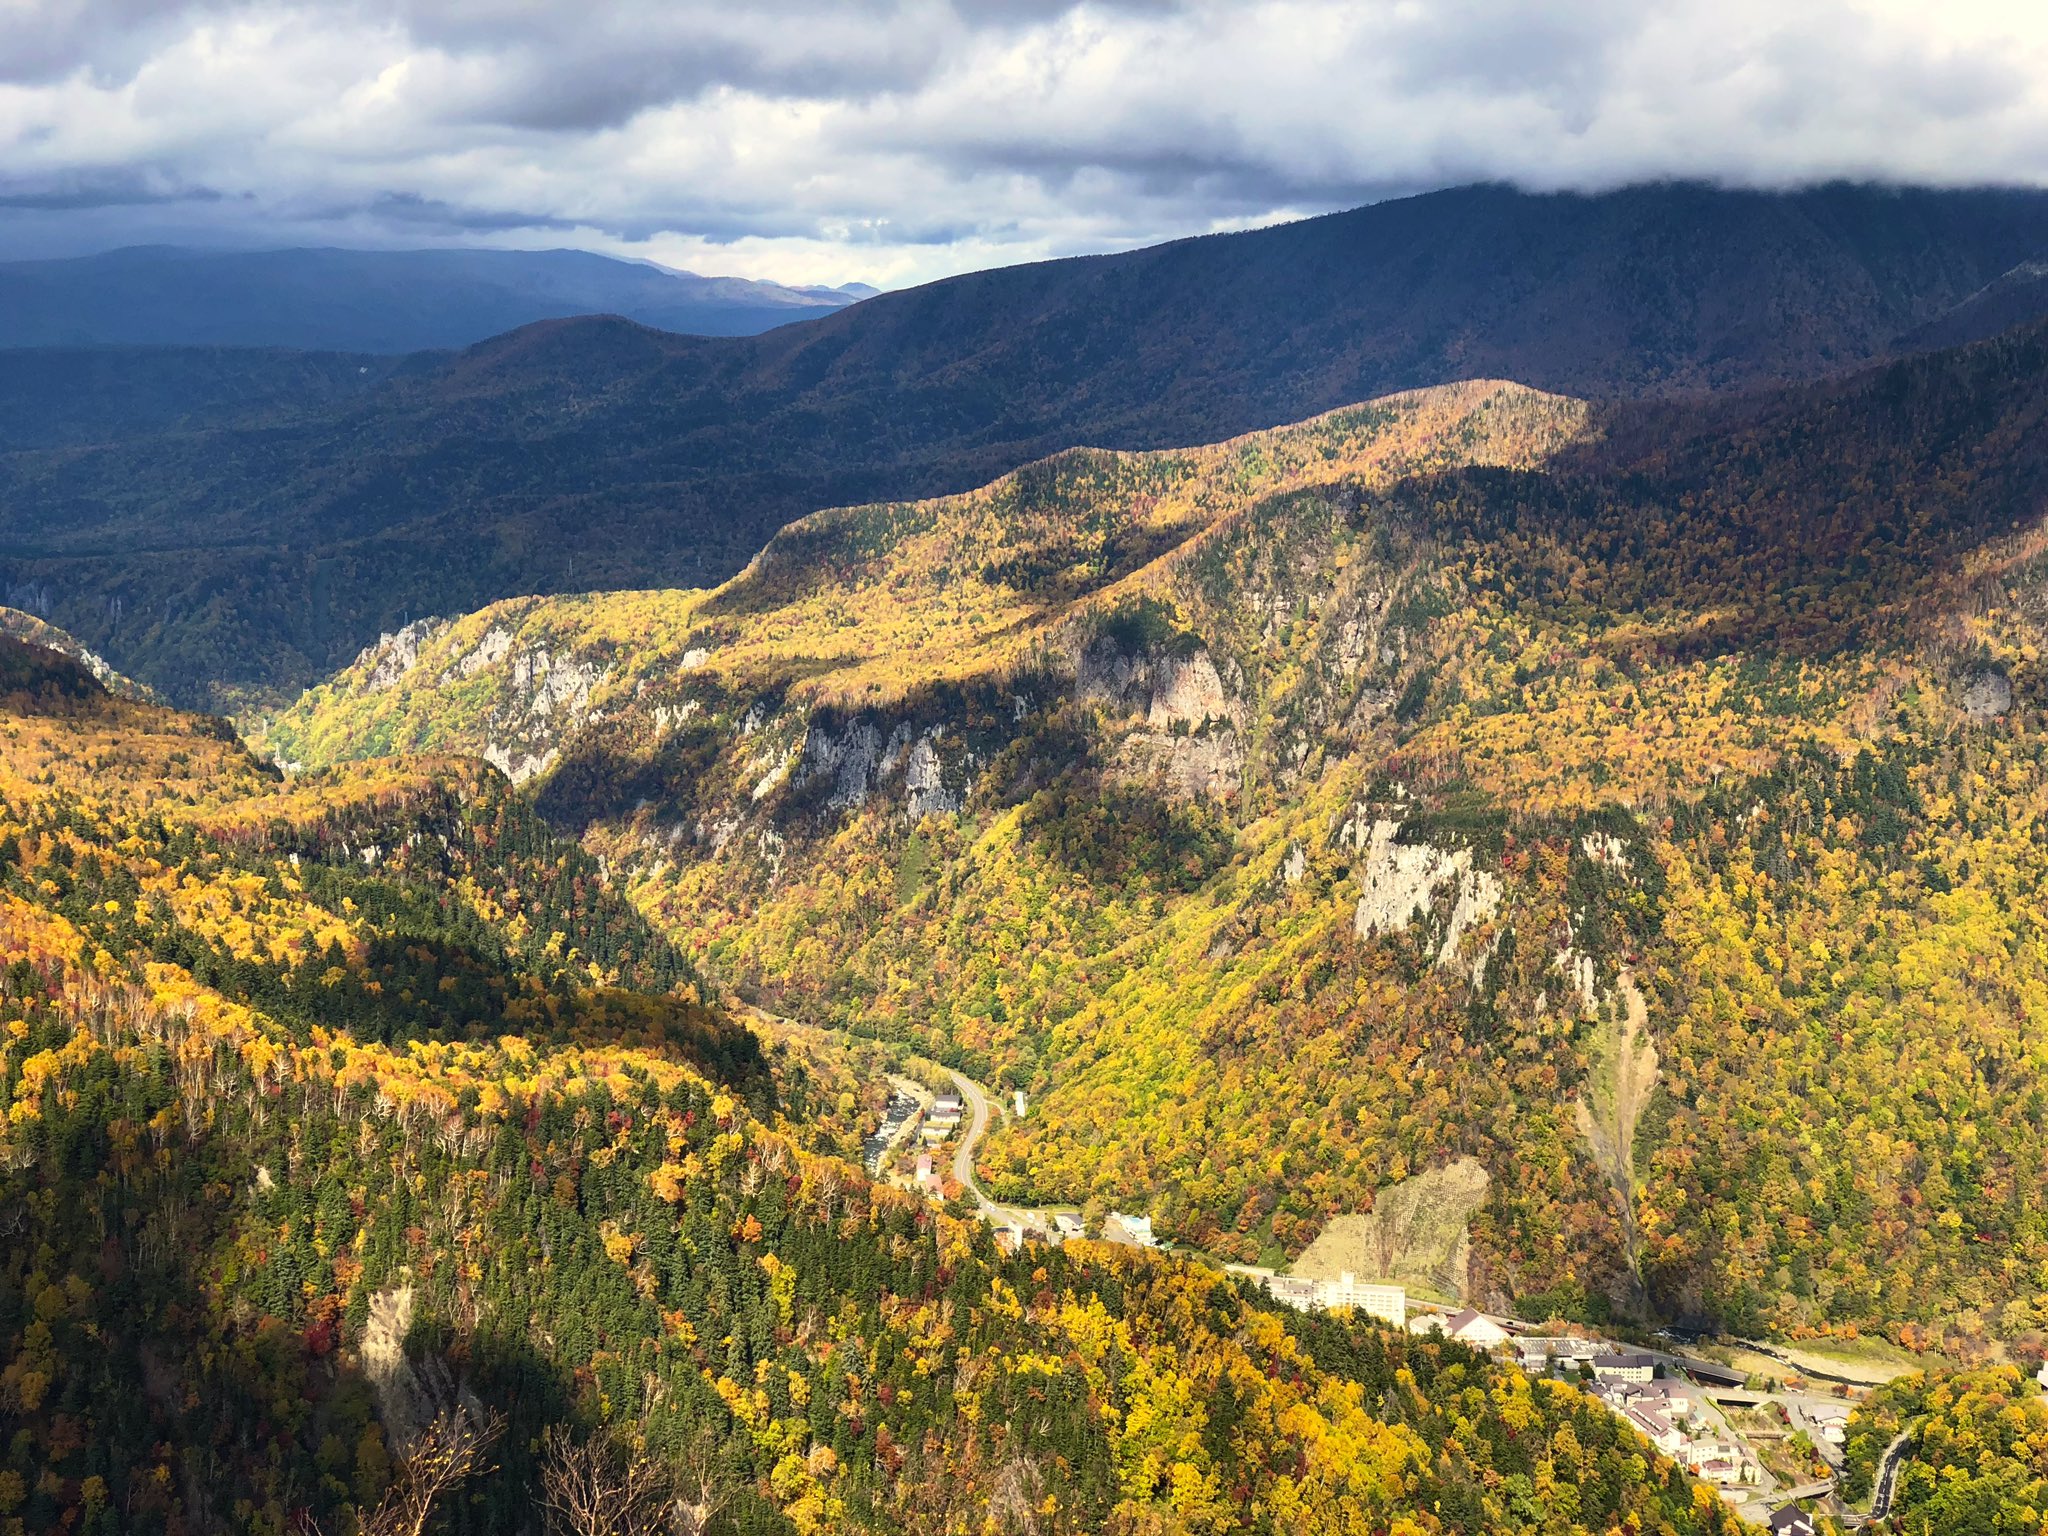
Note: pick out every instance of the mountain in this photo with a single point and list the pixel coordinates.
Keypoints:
(31, 630)
(367, 1162)
(367, 301)
(236, 561)
(1641, 801)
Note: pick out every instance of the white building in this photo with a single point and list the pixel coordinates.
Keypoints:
(1388, 1303)
(1466, 1326)
(1020, 1103)
(1624, 1367)
(1719, 1462)
(1131, 1231)
(1375, 1298)
(1655, 1428)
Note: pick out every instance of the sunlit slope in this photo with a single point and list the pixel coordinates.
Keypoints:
(1286, 833)
(339, 1108)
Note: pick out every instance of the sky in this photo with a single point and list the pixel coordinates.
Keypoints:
(894, 141)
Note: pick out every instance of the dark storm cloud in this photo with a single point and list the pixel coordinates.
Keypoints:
(821, 139)
(107, 189)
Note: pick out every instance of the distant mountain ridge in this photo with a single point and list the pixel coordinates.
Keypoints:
(298, 528)
(325, 299)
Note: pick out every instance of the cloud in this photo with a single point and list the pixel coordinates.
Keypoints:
(821, 140)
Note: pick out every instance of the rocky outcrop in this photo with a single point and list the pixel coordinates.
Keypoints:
(1399, 881)
(487, 652)
(544, 699)
(1986, 694)
(924, 781)
(1205, 765)
(1168, 687)
(394, 655)
(401, 1398)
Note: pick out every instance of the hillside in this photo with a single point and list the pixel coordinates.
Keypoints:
(366, 301)
(1296, 815)
(355, 1134)
(253, 556)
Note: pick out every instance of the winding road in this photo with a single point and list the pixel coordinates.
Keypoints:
(963, 1155)
(1888, 1474)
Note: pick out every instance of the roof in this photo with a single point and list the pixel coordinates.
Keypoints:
(1627, 1362)
(1719, 1375)
(1792, 1521)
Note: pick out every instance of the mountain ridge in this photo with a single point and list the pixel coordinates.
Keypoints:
(461, 480)
(337, 299)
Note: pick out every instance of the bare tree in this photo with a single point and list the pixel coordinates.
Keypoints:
(441, 1457)
(594, 1488)
(700, 1494)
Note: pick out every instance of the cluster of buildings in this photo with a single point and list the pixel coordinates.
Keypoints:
(1664, 1410)
(942, 1119)
(906, 1115)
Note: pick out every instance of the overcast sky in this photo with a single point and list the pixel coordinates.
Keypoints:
(827, 140)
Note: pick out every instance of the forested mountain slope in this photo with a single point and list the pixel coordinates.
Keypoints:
(326, 300)
(355, 1131)
(213, 558)
(1643, 800)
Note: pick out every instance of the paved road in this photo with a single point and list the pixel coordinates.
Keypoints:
(963, 1155)
(1888, 1474)
(978, 1115)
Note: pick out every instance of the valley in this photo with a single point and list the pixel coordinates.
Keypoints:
(1374, 877)
(1285, 817)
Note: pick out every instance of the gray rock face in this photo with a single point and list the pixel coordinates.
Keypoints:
(1187, 691)
(924, 781)
(487, 652)
(395, 655)
(1986, 695)
(1397, 880)
(1168, 689)
(1204, 766)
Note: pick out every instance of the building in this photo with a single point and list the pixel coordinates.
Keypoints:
(1719, 1462)
(1624, 1367)
(1792, 1521)
(1830, 1419)
(1131, 1231)
(1655, 1428)
(1540, 1352)
(1375, 1298)
(1022, 1106)
(1708, 1374)
(1066, 1224)
(1672, 1399)
(1388, 1303)
(1293, 1291)
(1467, 1326)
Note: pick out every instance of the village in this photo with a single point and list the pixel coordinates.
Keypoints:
(1771, 1445)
